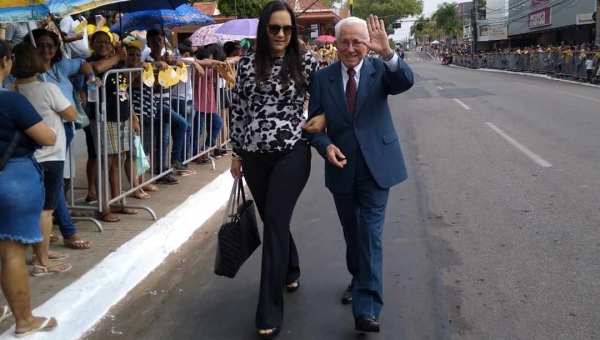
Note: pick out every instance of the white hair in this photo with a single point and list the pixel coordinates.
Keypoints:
(350, 21)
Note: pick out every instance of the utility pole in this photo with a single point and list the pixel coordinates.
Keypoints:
(474, 19)
(351, 2)
(597, 23)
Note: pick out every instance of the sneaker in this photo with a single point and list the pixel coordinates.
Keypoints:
(215, 154)
(223, 152)
(186, 172)
(167, 179)
(179, 166)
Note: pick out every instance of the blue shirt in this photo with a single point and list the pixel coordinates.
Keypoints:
(17, 114)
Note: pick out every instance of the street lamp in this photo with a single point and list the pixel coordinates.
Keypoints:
(351, 2)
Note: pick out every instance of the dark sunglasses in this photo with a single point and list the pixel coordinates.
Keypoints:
(41, 46)
(275, 29)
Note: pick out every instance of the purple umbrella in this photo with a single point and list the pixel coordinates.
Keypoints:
(243, 27)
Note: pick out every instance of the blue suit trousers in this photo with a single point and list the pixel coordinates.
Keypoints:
(362, 215)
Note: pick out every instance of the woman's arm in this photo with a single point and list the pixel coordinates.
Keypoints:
(104, 65)
(69, 114)
(42, 134)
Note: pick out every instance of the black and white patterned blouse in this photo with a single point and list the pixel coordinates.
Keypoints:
(268, 117)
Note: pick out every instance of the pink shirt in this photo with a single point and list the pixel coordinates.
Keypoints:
(205, 98)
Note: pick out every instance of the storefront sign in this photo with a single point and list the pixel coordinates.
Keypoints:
(539, 18)
(498, 33)
(584, 19)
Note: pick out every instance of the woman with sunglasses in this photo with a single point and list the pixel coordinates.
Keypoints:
(59, 71)
(20, 213)
(266, 131)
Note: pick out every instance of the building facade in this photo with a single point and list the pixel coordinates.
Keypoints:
(545, 22)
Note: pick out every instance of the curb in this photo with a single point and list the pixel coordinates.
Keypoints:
(82, 304)
(534, 75)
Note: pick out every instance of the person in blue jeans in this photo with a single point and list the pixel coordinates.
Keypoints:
(172, 122)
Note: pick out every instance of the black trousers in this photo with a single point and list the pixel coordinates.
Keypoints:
(276, 180)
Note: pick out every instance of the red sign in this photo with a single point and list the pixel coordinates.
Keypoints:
(539, 18)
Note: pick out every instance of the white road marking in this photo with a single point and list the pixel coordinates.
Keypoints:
(537, 87)
(462, 104)
(439, 87)
(532, 155)
(576, 95)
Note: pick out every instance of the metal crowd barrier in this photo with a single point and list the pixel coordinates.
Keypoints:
(165, 104)
(550, 63)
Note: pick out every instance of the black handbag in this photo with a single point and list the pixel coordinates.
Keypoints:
(238, 237)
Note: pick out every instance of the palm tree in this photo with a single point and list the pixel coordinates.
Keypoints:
(447, 20)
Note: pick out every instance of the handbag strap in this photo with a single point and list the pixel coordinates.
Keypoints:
(241, 193)
(9, 152)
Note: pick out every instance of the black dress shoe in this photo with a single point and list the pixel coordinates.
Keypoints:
(347, 296)
(271, 335)
(293, 289)
(367, 323)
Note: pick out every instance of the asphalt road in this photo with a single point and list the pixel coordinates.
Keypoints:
(494, 236)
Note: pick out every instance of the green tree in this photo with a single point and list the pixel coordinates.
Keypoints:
(446, 19)
(227, 7)
(388, 10)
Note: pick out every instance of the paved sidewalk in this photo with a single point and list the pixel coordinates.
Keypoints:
(114, 234)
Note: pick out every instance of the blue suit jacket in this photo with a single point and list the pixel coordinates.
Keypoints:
(370, 131)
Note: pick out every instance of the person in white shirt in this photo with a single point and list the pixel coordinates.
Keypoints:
(17, 31)
(589, 65)
(76, 40)
(53, 106)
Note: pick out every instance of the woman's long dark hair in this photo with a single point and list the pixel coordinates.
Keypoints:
(292, 63)
(41, 32)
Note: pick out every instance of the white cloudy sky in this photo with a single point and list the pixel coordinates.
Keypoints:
(429, 6)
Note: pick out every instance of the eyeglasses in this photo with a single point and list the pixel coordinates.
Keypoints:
(47, 46)
(275, 29)
(105, 42)
(13, 57)
(345, 44)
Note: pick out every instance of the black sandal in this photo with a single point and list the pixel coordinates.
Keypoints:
(293, 288)
(269, 336)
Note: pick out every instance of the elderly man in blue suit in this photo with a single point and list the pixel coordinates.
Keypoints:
(362, 152)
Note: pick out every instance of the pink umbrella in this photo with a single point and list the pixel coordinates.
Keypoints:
(325, 39)
(206, 36)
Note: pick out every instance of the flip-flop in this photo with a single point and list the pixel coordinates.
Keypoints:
(78, 245)
(53, 256)
(107, 217)
(46, 270)
(124, 211)
(150, 188)
(54, 238)
(140, 195)
(6, 313)
(43, 328)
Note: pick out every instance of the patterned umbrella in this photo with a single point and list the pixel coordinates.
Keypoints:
(165, 18)
(206, 36)
(34, 10)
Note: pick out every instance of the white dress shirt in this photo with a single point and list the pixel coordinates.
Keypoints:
(392, 64)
